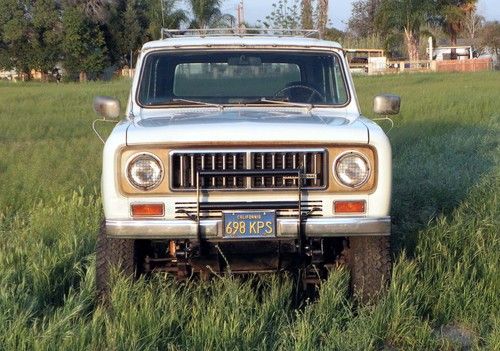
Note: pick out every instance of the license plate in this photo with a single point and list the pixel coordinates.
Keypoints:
(251, 224)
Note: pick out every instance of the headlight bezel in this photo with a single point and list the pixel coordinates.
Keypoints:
(135, 157)
(345, 154)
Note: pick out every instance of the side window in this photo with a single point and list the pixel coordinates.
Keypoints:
(146, 92)
(340, 92)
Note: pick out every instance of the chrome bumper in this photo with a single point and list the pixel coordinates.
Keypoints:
(211, 229)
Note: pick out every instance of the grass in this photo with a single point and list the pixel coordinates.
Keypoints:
(446, 244)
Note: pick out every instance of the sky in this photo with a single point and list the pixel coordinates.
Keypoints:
(339, 11)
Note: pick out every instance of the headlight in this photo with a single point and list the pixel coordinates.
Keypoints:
(352, 169)
(145, 172)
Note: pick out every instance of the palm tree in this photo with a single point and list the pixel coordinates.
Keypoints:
(407, 16)
(207, 13)
(164, 14)
(453, 14)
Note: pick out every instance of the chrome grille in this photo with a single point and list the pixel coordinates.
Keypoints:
(184, 166)
(312, 164)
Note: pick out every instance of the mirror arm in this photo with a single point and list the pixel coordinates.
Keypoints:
(95, 129)
(385, 118)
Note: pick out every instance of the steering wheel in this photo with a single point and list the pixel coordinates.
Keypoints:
(303, 87)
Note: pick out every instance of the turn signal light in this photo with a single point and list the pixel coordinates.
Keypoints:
(349, 206)
(147, 210)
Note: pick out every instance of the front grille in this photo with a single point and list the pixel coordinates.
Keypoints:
(310, 162)
(184, 166)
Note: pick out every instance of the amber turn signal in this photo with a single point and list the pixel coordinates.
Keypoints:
(147, 210)
(349, 206)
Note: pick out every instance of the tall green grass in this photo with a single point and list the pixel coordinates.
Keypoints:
(446, 243)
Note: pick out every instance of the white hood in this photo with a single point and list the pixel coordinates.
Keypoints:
(251, 125)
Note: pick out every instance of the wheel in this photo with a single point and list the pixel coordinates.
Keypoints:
(310, 93)
(111, 253)
(369, 261)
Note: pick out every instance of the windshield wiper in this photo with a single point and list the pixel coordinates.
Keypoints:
(195, 102)
(284, 103)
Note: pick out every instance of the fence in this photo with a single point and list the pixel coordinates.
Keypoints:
(127, 72)
(385, 67)
(472, 65)
(408, 66)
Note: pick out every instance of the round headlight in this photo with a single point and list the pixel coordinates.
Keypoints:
(145, 172)
(352, 169)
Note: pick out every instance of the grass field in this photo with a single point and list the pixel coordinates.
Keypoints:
(445, 290)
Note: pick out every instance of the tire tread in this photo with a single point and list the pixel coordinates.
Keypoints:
(111, 253)
(369, 259)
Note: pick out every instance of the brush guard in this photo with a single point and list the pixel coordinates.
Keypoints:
(288, 174)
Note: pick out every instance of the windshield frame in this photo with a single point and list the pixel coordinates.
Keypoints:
(177, 50)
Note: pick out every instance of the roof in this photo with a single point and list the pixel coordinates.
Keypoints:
(240, 40)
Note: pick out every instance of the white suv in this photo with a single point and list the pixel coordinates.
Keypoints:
(245, 153)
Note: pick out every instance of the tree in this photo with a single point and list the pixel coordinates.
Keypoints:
(126, 30)
(284, 15)
(452, 15)
(133, 22)
(85, 52)
(47, 35)
(489, 37)
(97, 11)
(295, 14)
(472, 25)
(363, 16)
(307, 14)
(15, 36)
(133, 31)
(405, 16)
(207, 13)
(334, 34)
(322, 17)
(163, 13)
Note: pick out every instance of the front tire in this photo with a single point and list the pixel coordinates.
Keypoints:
(369, 261)
(113, 254)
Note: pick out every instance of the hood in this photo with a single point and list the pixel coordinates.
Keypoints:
(212, 126)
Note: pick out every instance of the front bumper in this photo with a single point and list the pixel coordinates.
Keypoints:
(211, 229)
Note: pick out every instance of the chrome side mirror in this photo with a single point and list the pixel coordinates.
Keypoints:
(386, 104)
(107, 107)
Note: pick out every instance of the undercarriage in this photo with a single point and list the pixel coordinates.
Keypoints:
(185, 260)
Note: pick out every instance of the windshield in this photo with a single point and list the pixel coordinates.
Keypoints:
(244, 77)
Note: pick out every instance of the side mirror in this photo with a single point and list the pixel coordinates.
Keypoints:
(386, 104)
(107, 107)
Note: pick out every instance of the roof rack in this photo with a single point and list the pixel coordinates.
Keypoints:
(242, 32)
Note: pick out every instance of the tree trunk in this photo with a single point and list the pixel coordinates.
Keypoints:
(453, 38)
(83, 77)
(412, 41)
(26, 75)
(307, 20)
(322, 17)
